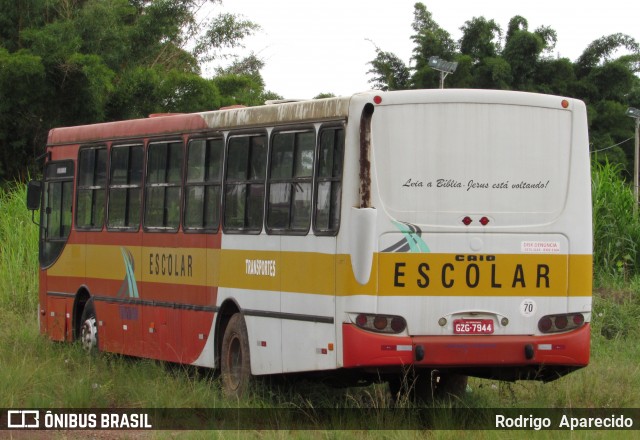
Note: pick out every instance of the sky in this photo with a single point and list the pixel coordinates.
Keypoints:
(324, 46)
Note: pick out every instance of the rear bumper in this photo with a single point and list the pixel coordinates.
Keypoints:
(364, 349)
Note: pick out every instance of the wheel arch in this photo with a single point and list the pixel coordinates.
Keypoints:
(227, 309)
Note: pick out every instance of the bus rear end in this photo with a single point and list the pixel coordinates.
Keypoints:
(483, 236)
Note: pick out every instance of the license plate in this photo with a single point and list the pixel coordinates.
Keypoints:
(473, 326)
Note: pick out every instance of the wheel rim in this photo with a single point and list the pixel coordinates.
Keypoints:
(89, 334)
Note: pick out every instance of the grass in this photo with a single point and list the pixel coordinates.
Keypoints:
(18, 252)
(42, 374)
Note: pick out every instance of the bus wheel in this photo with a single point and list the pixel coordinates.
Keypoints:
(89, 327)
(440, 385)
(235, 368)
(426, 386)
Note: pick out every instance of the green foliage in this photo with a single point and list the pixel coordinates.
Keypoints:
(520, 59)
(616, 225)
(67, 63)
(480, 38)
(18, 253)
(391, 72)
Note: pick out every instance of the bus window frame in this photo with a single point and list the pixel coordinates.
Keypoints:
(45, 259)
(260, 132)
(306, 128)
(186, 184)
(146, 185)
(79, 187)
(111, 186)
(316, 180)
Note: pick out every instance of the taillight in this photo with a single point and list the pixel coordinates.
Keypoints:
(560, 323)
(545, 324)
(381, 323)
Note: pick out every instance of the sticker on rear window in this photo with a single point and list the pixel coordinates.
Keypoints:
(540, 247)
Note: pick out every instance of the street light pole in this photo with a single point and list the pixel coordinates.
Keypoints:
(444, 67)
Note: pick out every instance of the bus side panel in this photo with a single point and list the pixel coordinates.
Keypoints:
(308, 291)
(110, 337)
(59, 318)
(195, 331)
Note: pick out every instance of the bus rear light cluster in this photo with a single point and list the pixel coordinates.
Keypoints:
(560, 323)
(381, 323)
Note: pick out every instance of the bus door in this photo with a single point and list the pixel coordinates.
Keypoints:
(308, 250)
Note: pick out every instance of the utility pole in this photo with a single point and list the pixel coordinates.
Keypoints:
(635, 114)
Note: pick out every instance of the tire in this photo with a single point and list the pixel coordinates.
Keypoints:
(89, 328)
(438, 385)
(426, 386)
(235, 361)
(452, 385)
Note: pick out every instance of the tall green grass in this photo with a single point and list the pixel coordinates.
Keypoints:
(18, 252)
(616, 224)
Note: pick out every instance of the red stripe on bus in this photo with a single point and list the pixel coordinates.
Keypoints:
(150, 239)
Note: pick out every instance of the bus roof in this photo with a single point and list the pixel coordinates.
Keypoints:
(279, 113)
(158, 125)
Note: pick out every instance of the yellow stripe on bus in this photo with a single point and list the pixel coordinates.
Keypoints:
(392, 274)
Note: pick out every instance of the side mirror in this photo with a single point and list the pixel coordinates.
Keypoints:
(34, 194)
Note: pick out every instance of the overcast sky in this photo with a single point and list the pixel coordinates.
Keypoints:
(311, 47)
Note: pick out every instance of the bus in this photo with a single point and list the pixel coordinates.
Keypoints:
(428, 235)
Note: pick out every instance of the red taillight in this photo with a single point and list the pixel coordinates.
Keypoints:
(545, 324)
(377, 99)
(398, 324)
(559, 323)
(484, 221)
(381, 323)
(467, 221)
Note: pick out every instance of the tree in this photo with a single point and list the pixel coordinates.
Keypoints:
(391, 73)
(70, 62)
(480, 39)
(429, 40)
(524, 61)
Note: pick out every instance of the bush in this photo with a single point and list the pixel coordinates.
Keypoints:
(616, 228)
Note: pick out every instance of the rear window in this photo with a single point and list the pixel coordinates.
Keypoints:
(435, 162)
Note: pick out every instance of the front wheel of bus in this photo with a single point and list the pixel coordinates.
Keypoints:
(235, 368)
(89, 328)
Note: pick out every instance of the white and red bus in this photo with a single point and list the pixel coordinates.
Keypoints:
(442, 232)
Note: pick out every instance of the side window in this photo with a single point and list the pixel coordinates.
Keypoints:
(244, 183)
(329, 181)
(92, 184)
(203, 185)
(56, 215)
(163, 186)
(290, 182)
(125, 187)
